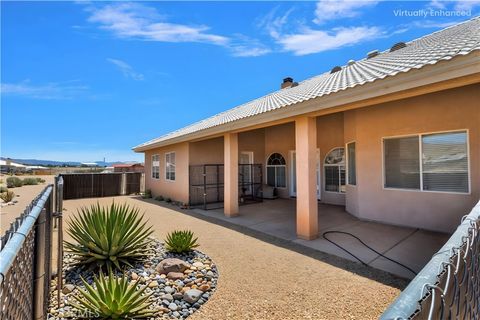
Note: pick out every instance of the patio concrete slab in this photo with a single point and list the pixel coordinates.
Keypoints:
(414, 247)
(411, 247)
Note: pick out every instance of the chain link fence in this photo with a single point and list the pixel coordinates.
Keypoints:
(448, 287)
(25, 261)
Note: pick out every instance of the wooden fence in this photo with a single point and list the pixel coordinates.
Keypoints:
(93, 185)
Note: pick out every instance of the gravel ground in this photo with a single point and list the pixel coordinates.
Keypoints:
(265, 278)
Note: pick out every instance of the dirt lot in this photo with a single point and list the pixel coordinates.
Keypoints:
(265, 278)
(24, 195)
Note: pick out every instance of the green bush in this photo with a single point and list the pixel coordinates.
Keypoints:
(40, 180)
(168, 200)
(181, 241)
(147, 194)
(107, 236)
(3, 189)
(113, 298)
(159, 198)
(14, 182)
(7, 196)
(30, 181)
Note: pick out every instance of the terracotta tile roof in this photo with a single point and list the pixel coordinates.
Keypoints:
(445, 44)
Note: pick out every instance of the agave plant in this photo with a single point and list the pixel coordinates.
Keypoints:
(112, 298)
(106, 236)
(181, 241)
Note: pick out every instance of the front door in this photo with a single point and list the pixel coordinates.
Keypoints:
(293, 174)
(245, 160)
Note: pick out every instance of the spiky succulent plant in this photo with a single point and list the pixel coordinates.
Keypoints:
(181, 241)
(105, 236)
(112, 297)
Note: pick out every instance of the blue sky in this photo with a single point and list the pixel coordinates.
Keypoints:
(85, 80)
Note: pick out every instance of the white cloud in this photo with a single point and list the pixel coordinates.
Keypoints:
(136, 21)
(133, 20)
(310, 41)
(243, 46)
(126, 69)
(466, 4)
(327, 10)
(274, 24)
(437, 4)
(52, 90)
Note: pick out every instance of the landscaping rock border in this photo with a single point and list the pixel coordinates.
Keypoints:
(179, 283)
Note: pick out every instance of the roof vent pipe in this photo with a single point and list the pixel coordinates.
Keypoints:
(336, 69)
(287, 83)
(397, 46)
(372, 54)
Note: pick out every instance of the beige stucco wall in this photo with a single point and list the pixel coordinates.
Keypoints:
(448, 110)
(176, 190)
(280, 139)
(207, 151)
(329, 137)
(253, 141)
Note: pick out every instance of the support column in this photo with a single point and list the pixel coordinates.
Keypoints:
(230, 174)
(306, 158)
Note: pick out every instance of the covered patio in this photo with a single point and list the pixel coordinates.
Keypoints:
(411, 247)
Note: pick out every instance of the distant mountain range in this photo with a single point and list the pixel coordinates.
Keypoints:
(36, 162)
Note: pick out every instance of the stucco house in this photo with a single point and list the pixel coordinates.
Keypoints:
(394, 137)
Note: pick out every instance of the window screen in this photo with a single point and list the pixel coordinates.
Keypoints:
(155, 166)
(276, 171)
(170, 166)
(352, 168)
(445, 162)
(402, 164)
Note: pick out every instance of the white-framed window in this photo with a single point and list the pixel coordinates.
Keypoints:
(351, 164)
(427, 162)
(170, 166)
(276, 171)
(155, 166)
(334, 166)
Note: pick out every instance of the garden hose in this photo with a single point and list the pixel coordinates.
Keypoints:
(366, 245)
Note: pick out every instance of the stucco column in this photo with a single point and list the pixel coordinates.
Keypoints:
(230, 174)
(306, 158)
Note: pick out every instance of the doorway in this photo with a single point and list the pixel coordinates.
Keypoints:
(293, 174)
(245, 161)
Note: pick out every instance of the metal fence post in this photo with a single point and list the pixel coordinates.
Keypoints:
(39, 267)
(59, 213)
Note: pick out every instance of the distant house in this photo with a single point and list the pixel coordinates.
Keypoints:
(393, 137)
(131, 167)
(7, 166)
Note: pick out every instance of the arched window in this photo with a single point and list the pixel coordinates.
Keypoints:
(276, 172)
(335, 170)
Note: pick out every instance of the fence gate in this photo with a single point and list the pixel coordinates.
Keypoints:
(207, 185)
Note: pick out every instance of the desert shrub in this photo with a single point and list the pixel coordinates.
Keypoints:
(30, 181)
(7, 196)
(14, 182)
(159, 198)
(147, 194)
(181, 241)
(168, 200)
(40, 180)
(3, 189)
(105, 236)
(113, 297)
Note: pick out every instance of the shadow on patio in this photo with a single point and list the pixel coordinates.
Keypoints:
(276, 218)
